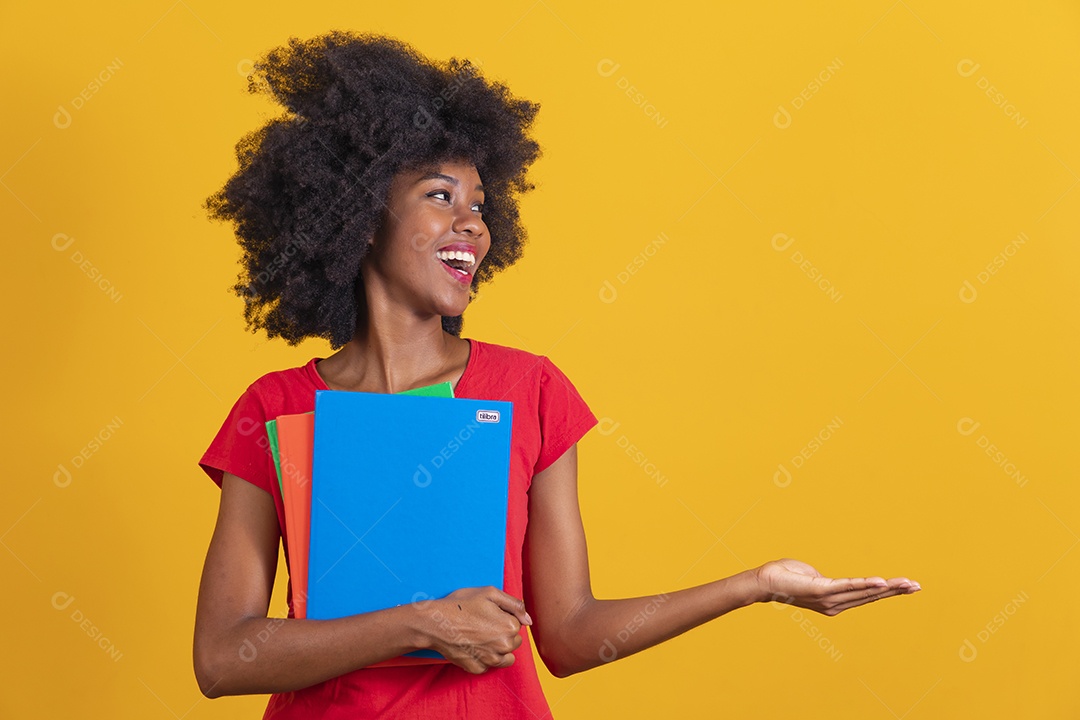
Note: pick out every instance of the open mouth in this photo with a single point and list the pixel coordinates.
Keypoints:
(460, 262)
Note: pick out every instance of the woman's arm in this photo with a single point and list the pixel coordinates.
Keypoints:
(239, 650)
(574, 631)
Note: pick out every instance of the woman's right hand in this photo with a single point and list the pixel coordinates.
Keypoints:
(476, 628)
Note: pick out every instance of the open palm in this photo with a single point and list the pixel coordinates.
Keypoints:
(796, 583)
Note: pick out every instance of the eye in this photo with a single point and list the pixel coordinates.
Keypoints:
(479, 206)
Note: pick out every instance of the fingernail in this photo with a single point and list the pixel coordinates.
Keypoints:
(528, 619)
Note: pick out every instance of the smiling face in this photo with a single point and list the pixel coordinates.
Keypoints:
(432, 226)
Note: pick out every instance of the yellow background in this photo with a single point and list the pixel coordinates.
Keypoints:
(718, 360)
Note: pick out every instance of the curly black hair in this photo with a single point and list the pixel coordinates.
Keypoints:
(312, 185)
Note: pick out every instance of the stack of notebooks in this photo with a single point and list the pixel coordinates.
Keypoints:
(392, 499)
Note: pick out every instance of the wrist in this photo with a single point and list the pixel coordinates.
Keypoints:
(422, 621)
(755, 592)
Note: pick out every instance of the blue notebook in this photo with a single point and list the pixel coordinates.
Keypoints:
(409, 500)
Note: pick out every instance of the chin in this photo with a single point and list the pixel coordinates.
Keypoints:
(452, 309)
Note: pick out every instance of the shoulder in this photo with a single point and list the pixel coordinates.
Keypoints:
(282, 378)
(523, 373)
(507, 358)
(277, 390)
(505, 354)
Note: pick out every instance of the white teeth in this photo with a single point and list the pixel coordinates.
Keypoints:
(456, 255)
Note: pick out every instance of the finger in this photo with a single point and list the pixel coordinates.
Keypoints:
(867, 595)
(512, 643)
(512, 605)
(476, 665)
(837, 585)
(899, 585)
(473, 665)
(865, 600)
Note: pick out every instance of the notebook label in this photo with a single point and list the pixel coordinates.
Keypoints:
(489, 416)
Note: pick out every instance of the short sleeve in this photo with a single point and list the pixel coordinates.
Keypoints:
(241, 446)
(564, 415)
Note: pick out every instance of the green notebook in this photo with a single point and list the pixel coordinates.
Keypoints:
(443, 389)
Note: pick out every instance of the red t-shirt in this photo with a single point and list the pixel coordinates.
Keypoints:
(549, 417)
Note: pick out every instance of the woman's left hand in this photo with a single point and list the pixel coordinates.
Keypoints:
(796, 583)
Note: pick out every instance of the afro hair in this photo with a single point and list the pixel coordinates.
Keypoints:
(311, 186)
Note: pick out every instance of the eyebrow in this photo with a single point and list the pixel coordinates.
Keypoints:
(440, 176)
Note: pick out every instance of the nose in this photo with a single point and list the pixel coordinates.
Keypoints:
(467, 221)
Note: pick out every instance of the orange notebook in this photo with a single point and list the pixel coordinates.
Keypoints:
(295, 439)
(295, 442)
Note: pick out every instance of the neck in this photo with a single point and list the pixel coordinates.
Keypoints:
(393, 349)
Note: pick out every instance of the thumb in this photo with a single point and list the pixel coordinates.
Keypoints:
(512, 605)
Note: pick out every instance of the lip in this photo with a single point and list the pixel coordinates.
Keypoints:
(462, 246)
(465, 279)
(458, 275)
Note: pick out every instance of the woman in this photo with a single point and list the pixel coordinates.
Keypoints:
(369, 216)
